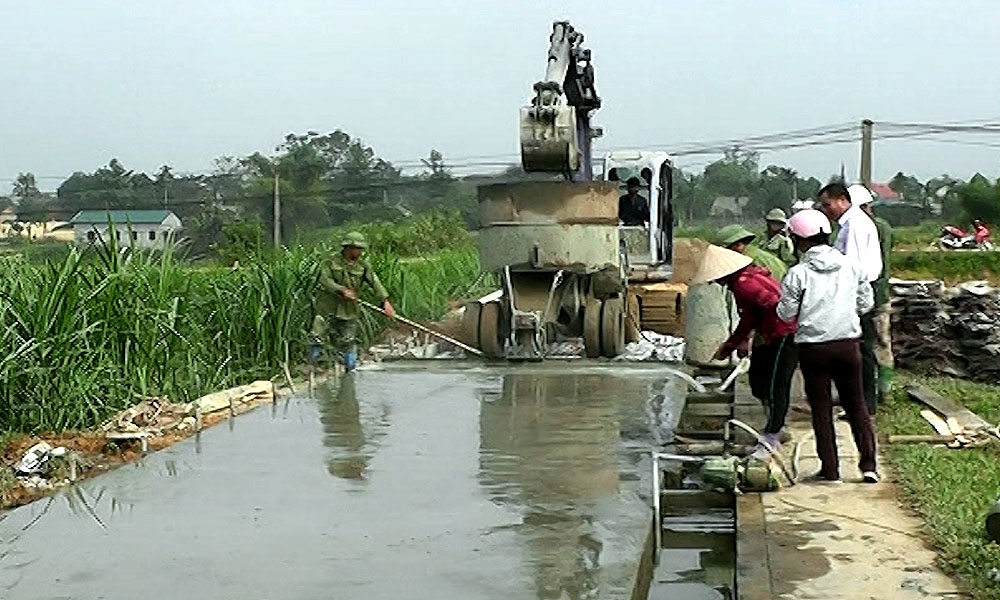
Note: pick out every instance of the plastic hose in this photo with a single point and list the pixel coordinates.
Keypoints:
(767, 447)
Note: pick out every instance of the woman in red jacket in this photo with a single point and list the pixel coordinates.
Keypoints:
(773, 362)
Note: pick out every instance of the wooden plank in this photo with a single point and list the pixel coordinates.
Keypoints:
(947, 407)
(708, 410)
(709, 397)
(939, 424)
(917, 439)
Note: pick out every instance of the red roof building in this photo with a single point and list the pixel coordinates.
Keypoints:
(884, 192)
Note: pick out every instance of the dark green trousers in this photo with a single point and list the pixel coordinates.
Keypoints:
(869, 364)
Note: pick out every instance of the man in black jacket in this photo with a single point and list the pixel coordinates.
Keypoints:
(633, 209)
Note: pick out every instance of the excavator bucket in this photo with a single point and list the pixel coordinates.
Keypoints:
(548, 142)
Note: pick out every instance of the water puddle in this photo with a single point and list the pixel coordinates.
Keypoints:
(515, 482)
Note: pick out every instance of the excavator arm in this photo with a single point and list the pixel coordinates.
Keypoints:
(556, 133)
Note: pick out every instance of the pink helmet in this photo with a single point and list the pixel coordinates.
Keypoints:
(809, 222)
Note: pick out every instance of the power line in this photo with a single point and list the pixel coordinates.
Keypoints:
(815, 136)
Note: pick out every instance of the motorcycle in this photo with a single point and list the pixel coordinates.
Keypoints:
(954, 238)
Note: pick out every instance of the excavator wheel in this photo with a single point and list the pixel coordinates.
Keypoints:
(592, 327)
(613, 327)
(633, 329)
(470, 324)
(489, 330)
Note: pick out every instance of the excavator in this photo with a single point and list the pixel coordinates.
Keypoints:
(568, 269)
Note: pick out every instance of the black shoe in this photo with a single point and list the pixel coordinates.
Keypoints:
(819, 478)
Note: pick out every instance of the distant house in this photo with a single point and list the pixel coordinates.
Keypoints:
(8, 214)
(135, 228)
(884, 192)
(728, 206)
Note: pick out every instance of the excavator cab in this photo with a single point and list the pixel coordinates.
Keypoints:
(647, 249)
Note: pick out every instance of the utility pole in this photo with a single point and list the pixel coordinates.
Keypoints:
(277, 211)
(866, 153)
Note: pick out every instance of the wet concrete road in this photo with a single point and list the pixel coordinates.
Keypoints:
(410, 482)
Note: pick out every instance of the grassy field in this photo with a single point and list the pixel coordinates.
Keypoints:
(951, 489)
(950, 265)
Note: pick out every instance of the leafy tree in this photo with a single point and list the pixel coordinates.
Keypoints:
(980, 199)
(809, 188)
(774, 189)
(692, 201)
(734, 175)
(941, 193)
(25, 186)
(32, 205)
(242, 241)
(109, 187)
(908, 187)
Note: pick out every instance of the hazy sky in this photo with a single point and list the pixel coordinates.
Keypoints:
(180, 83)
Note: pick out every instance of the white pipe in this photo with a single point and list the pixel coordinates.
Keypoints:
(658, 524)
(691, 381)
(741, 367)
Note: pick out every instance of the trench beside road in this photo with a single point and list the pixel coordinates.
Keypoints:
(421, 482)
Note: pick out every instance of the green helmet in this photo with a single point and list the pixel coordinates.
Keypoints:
(356, 239)
(730, 234)
(777, 215)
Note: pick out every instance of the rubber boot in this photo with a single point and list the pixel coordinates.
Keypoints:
(884, 382)
(314, 352)
(350, 360)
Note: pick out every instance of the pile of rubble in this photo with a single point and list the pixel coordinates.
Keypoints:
(46, 466)
(953, 331)
(975, 311)
(921, 335)
(656, 347)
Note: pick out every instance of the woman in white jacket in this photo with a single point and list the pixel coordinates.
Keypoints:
(825, 292)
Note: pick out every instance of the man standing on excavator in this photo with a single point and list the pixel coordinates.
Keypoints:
(633, 209)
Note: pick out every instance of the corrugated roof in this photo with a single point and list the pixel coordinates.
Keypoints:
(122, 217)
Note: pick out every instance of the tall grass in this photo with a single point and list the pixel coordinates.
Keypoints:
(84, 336)
(949, 265)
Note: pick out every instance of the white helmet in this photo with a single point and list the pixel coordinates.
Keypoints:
(859, 195)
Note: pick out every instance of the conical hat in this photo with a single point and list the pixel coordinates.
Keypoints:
(719, 262)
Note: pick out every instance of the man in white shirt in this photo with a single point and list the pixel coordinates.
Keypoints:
(857, 239)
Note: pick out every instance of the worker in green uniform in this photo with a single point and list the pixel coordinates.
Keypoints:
(778, 243)
(880, 287)
(737, 238)
(337, 310)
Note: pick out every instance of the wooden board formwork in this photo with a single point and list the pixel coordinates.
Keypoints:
(661, 306)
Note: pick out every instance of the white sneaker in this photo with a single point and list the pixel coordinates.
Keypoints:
(870, 477)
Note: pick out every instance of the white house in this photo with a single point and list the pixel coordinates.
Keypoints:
(135, 228)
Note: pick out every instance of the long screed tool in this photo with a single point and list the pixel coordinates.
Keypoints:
(420, 327)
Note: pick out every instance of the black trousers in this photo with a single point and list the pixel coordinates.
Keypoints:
(771, 369)
(840, 362)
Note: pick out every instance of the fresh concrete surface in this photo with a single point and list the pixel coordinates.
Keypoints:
(417, 482)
